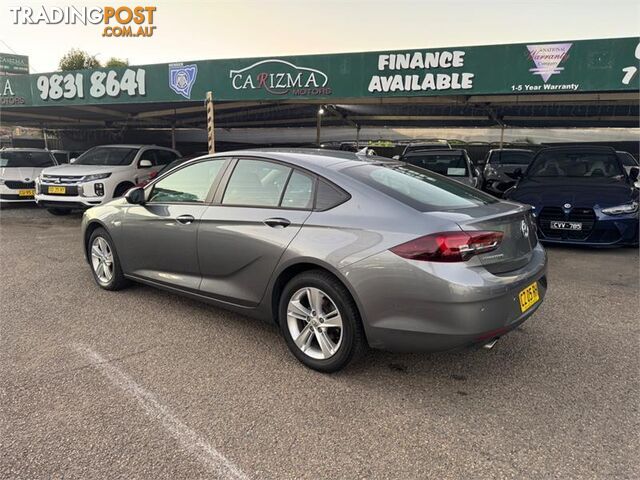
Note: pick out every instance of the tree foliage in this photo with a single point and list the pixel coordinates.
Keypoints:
(76, 59)
(114, 62)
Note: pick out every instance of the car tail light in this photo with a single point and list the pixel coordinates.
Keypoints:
(449, 246)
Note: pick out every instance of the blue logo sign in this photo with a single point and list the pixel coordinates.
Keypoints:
(182, 78)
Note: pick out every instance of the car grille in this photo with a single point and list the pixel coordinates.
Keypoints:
(66, 180)
(15, 185)
(584, 215)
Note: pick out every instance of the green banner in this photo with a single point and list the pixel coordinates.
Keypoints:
(529, 68)
(11, 63)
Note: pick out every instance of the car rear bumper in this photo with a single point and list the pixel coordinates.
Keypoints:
(426, 306)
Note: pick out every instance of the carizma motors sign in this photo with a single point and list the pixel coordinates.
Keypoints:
(279, 77)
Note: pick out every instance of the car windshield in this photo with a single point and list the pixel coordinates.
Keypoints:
(449, 164)
(419, 188)
(10, 159)
(505, 157)
(111, 156)
(575, 165)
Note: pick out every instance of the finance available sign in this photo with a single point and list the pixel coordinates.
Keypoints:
(576, 66)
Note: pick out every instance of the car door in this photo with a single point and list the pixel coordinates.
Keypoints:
(160, 236)
(243, 235)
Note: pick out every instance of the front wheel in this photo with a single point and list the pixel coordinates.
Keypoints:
(105, 264)
(320, 321)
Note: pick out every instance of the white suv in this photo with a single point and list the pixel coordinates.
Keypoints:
(99, 175)
(19, 168)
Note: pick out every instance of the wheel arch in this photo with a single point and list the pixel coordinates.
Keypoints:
(125, 183)
(290, 270)
(91, 227)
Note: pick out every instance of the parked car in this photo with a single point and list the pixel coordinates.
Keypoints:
(425, 145)
(168, 167)
(499, 167)
(454, 163)
(98, 175)
(338, 249)
(19, 168)
(581, 196)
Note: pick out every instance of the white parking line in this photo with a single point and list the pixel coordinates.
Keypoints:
(152, 407)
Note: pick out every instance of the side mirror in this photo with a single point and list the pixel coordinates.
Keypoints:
(144, 163)
(135, 196)
(72, 160)
(633, 173)
(396, 157)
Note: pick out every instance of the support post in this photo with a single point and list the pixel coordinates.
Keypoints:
(358, 137)
(211, 136)
(318, 126)
(173, 135)
(501, 135)
(46, 140)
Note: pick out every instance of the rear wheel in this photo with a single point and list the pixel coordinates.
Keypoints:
(59, 211)
(320, 321)
(104, 261)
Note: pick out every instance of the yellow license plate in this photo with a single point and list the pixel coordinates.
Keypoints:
(528, 297)
(57, 190)
(26, 193)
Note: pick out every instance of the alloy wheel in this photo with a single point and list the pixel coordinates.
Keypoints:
(315, 323)
(102, 260)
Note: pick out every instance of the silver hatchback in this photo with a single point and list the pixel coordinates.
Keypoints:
(339, 250)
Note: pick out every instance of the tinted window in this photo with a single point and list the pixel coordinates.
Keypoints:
(627, 159)
(112, 156)
(164, 157)
(510, 158)
(328, 196)
(189, 184)
(575, 164)
(299, 192)
(418, 188)
(61, 157)
(449, 164)
(25, 159)
(256, 183)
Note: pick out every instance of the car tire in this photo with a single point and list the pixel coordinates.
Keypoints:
(345, 342)
(109, 276)
(59, 211)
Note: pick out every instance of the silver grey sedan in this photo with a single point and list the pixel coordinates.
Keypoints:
(340, 250)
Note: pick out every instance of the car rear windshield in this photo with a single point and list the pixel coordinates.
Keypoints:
(25, 159)
(418, 188)
(510, 158)
(627, 159)
(111, 156)
(575, 164)
(449, 164)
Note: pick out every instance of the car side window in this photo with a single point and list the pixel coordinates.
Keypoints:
(187, 185)
(164, 157)
(299, 192)
(149, 155)
(329, 196)
(256, 183)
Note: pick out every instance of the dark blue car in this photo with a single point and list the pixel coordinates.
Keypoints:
(581, 196)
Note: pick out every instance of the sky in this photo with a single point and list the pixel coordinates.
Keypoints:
(193, 30)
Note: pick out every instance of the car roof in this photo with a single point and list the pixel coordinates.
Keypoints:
(581, 148)
(435, 151)
(510, 150)
(313, 159)
(19, 149)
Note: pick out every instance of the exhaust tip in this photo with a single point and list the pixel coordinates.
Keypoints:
(490, 345)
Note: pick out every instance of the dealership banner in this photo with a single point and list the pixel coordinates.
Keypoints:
(13, 64)
(529, 68)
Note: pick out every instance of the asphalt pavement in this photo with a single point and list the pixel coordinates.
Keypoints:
(142, 384)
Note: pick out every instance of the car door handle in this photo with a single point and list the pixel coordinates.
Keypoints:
(185, 219)
(277, 222)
